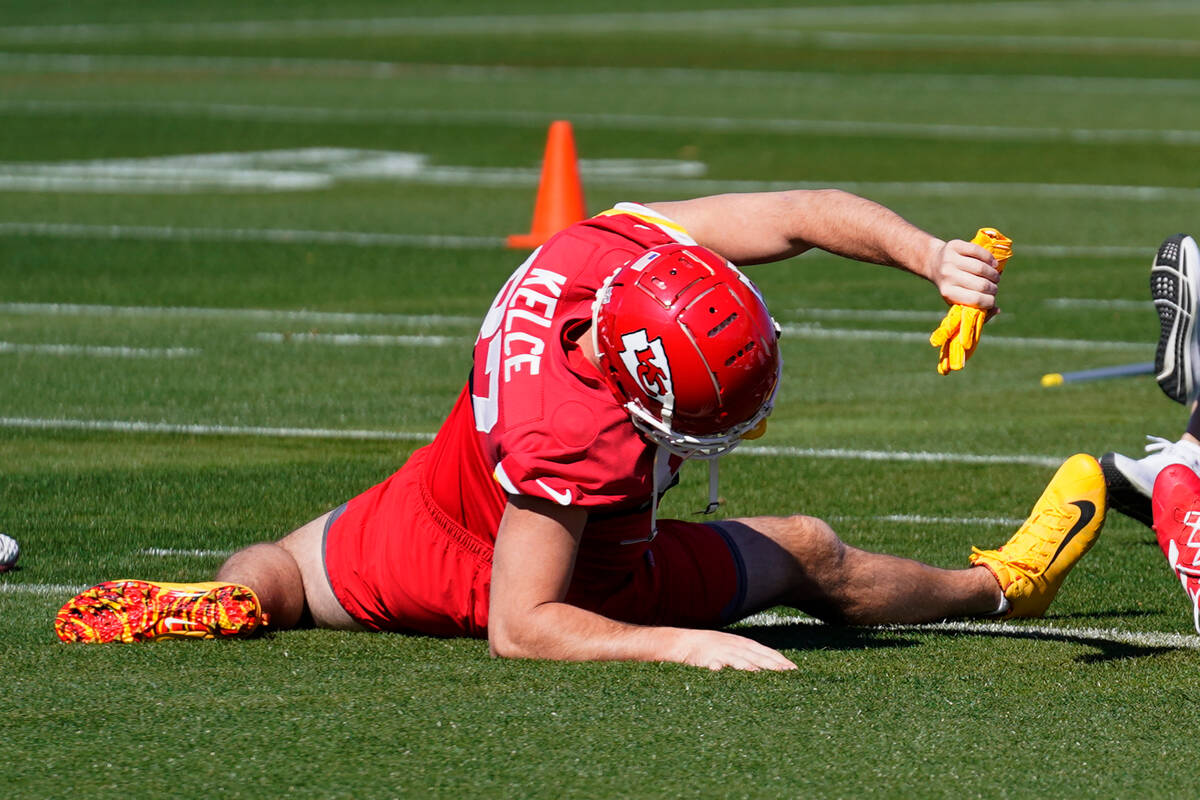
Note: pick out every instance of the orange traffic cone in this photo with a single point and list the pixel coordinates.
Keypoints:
(560, 193)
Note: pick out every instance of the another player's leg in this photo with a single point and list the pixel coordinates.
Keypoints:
(1131, 481)
(1177, 526)
(1175, 287)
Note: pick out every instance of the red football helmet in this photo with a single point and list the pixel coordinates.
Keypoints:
(685, 342)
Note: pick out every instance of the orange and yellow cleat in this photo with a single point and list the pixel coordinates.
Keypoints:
(138, 611)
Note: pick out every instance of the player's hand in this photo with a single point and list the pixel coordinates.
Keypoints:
(717, 650)
(966, 273)
(970, 271)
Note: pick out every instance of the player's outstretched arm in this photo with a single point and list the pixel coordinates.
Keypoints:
(528, 618)
(761, 227)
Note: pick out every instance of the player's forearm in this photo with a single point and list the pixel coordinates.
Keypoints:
(563, 632)
(770, 226)
(861, 229)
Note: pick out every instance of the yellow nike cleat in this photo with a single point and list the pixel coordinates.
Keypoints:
(1064, 524)
(137, 611)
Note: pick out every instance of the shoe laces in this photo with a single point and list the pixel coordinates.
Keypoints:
(1010, 565)
(998, 555)
(1181, 452)
(1032, 538)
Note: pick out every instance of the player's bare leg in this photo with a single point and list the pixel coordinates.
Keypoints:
(264, 584)
(289, 577)
(799, 561)
(272, 574)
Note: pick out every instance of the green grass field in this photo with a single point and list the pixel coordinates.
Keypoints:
(165, 402)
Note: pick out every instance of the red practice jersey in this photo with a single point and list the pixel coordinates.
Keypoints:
(536, 418)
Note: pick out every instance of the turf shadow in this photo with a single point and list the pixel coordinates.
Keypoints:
(832, 637)
(1108, 649)
(824, 637)
(1109, 614)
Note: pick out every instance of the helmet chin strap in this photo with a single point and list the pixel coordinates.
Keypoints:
(713, 486)
(657, 482)
(713, 481)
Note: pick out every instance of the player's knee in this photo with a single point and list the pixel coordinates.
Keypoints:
(824, 586)
(272, 573)
(814, 545)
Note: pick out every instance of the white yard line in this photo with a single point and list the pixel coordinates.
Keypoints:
(140, 426)
(96, 351)
(137, 426)
(715, 20)
(709, 78)
(993, 43)
(869, 314)
(1098, 303)
(897, 455)
(369, 239)
(1011, 630)
(289, 170)
(944, 189)
(66, 590)
(299, 169)
(816, 331)
(1088, 251)
(351, 339)
(249, 314)
(873, 314)
(263, 235)
(166, 552)
(825, 127)
(798, 330)
(917, 519)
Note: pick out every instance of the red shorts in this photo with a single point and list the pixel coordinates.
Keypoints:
(397, 562)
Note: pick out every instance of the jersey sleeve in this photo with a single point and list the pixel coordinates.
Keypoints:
(550, 429)
(643, 225)
(611, 469)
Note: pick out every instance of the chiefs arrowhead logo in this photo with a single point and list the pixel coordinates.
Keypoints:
(647, 362)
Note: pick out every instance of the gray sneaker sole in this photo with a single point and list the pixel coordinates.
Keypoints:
(1171, 286)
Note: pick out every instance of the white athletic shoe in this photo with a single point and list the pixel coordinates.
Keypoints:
(1175, 287)
(1131, 482)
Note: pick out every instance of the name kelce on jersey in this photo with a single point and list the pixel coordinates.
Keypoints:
(516, 326)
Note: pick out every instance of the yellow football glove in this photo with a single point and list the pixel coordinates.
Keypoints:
(962, 326)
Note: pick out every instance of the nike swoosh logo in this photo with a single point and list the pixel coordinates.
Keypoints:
(1087, 510)
(563, 498)
(177, 625)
